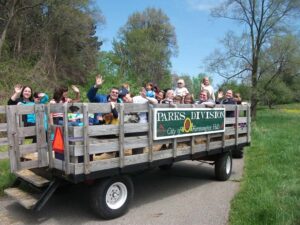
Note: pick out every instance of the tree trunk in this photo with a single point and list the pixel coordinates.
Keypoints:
(254, 99)
(4, 32)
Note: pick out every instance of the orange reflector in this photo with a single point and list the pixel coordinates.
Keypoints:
(58, 141)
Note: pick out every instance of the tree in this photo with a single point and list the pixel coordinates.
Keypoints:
(144, 46)
(53, 41)
(9, 10)
(261, 20)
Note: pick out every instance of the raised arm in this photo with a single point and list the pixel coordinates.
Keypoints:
(92, 93)
(13, 99)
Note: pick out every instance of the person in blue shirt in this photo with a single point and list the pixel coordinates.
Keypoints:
(112, 97)
(149, 90)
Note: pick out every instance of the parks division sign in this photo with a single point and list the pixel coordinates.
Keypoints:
(171, 123)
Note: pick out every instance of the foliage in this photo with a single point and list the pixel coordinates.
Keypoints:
(242, 88)
(144, 47)
(277, 93)
(243, 53)
(6, 178)
(48, 42)
(270, 188)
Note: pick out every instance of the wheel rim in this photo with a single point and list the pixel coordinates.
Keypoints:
(116, 195)
(228, 165)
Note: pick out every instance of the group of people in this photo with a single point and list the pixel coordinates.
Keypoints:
(23, 95)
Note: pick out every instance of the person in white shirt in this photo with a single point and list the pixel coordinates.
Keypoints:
(205, 85)
(181, 90)
(142, 98)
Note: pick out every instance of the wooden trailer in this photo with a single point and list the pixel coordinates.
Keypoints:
(108, 154)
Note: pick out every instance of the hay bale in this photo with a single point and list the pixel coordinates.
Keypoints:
(105, 155)
(200, 140)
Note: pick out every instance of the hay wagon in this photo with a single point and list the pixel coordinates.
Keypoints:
(108, 154)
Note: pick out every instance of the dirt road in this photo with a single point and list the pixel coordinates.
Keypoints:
(186, 194)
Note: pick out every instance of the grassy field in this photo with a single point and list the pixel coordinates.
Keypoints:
(6, 178)
(270, 189)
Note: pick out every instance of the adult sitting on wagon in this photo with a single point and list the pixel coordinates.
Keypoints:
(205, 100)
(227, 100)
(113, 98)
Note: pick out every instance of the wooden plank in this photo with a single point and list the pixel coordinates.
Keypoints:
(163, 154)
(2, 109)
(56, 108)
(24, 198)
(174, 148)
(29, 164)
(86, 139)
(248, 124)
(13, 138)
(3, 127)
(49, 142)
(242, 140)
(229, 107)
(242, 107)
(66, 140)
(230, 120)
(242, 119)
(27, 149)
(26, 131)
(32, 178)
(135, 108)
(207, 142)
(24, 109)
(77, 150)
(41, 135)
(99, 108)
(236, 124)
(4, 141)
(150, 132)
(136, 127)
(97, 165)
(59, 164)
(121, 136)
(136, 159)
(101, 130)
(192, 144)
(135, 142)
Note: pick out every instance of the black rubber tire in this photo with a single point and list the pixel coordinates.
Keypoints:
(105, 189)
(223, 166)
(238, 154)
(166, 166)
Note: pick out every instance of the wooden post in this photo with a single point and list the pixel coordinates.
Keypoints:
(13, 138)
(49, 131)
(66, 140)
(121, 136)
(39, 110)
(174, 147)
(236, 126)
(223, 135)
(150, 132)
(86, 138)
(248, 123)
(207, 142)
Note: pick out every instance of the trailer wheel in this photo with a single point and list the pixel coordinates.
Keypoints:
(111, 197)
(166, 166)
(223, 166)
(238, 153)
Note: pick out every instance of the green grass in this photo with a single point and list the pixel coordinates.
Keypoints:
(270, 188)
(6, 178)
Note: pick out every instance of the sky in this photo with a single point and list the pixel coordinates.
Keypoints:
(198, 34)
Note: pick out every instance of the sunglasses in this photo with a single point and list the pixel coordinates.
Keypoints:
(179, 83)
